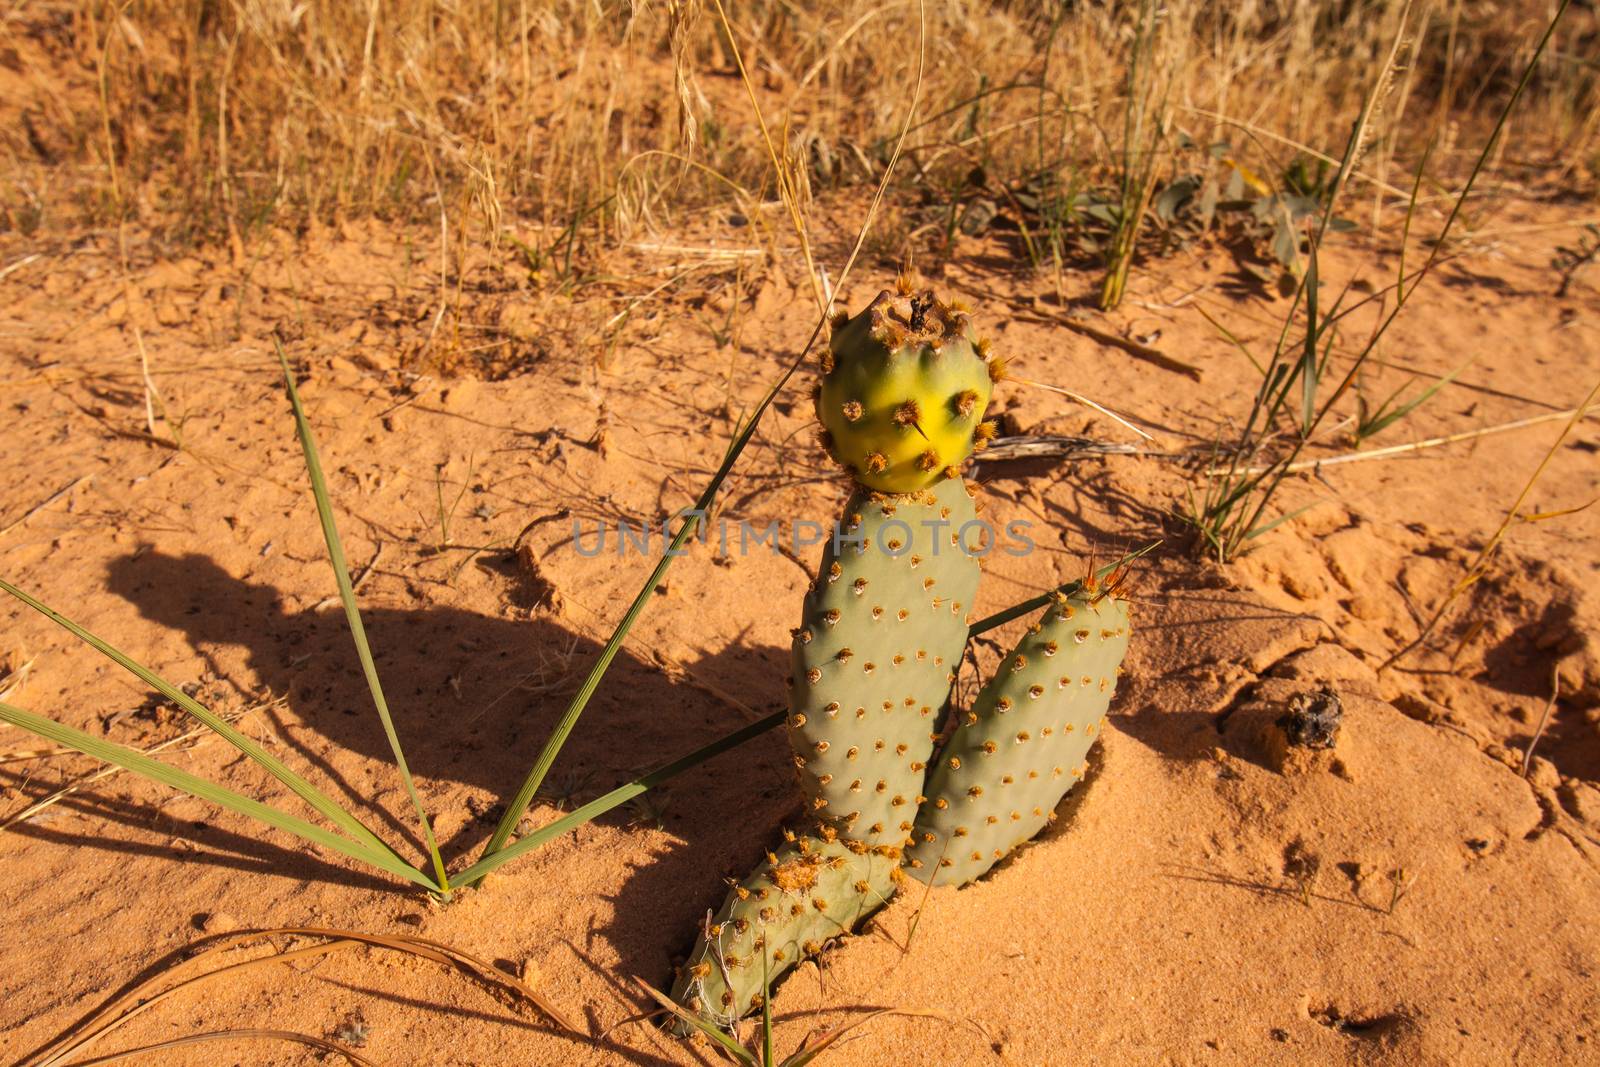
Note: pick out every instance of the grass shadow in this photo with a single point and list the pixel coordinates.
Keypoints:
(474, 697)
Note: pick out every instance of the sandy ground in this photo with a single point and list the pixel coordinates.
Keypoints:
(1415, 900)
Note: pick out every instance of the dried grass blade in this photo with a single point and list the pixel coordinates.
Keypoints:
(119, 1011)
(11, 681)
(1415, 446)
(1477, 569)
(1086, 402)
(320, 1043)
(728, 1044)
(107, 1020)
(488, 973)
(806, 1055)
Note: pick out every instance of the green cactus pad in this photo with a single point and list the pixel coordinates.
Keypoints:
(882, 632)
(1012, 758)
(903, 391)
(812, 890)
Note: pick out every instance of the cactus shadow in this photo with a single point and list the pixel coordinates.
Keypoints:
(1178, 735)
(474, 697)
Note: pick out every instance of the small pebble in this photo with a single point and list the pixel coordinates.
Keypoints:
(218, 922)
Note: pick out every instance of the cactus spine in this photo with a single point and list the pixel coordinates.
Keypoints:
(1015, 754)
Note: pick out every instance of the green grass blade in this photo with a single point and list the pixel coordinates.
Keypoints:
(530, 785)
(1017, 611)
(326, 805)
(1387, 416)
(352, 614)
(156, 771)
(1228, 335)
(728, 1044)
(617, 797)
(766, 1012)
(1411, 212)
(1268, 527)
(624, 793)
(1308, 369)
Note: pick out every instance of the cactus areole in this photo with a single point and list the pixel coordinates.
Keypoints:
(903, 391)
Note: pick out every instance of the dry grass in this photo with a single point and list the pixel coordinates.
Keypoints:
(564, 124)
(218, 957)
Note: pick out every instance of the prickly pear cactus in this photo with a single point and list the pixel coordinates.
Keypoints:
(903, 391)
(884, 626)
(1019, 749)
(881, 634)
(813, 889)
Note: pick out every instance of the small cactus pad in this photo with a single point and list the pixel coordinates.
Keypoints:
(882, 632)
(812, 890)
(1022, 746)
(903, 391)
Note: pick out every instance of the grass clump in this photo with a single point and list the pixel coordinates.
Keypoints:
(1295, 398)
(549, 129)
